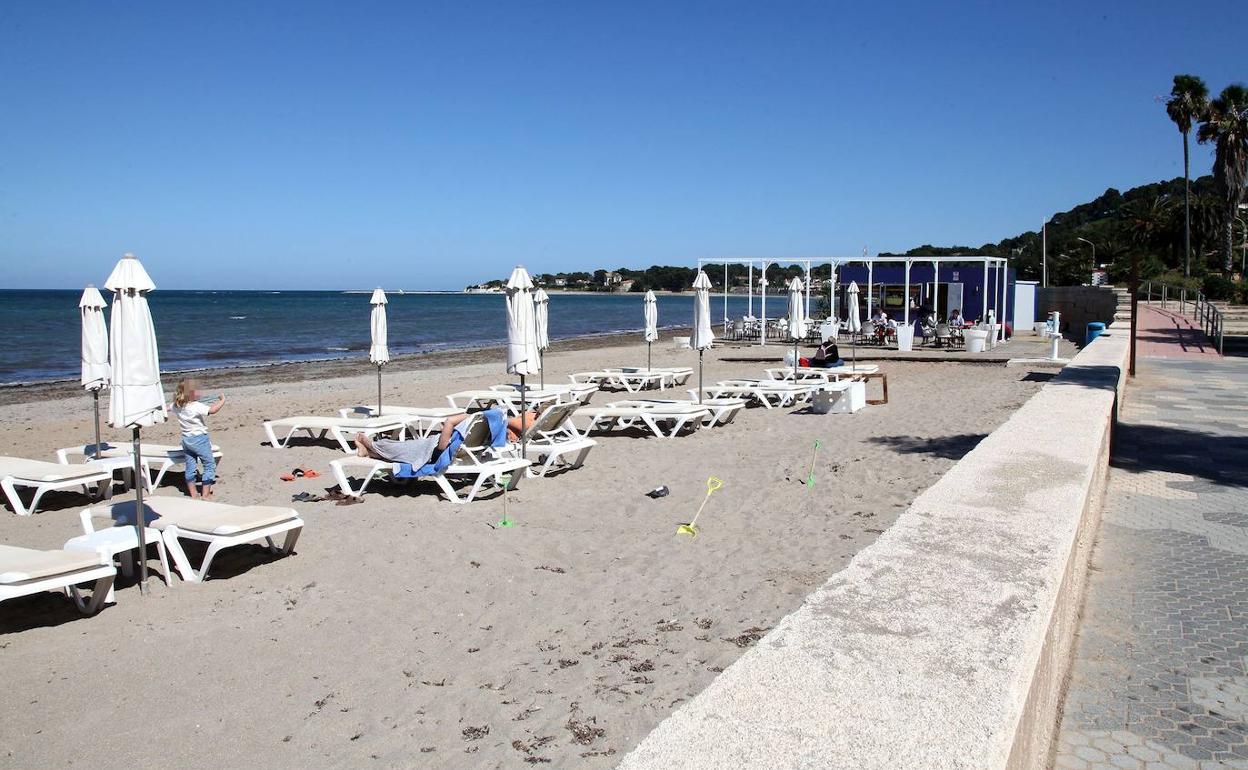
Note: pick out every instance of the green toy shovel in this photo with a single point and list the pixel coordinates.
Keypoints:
(691, 528)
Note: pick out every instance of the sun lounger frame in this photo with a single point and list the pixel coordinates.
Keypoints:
(622, 415)
(67, 583)
(102, 479)
(338, 432)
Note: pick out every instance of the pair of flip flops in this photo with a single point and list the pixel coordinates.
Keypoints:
(331, 494)
(299, 473)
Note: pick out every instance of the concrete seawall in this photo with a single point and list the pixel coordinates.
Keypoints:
(944, 644)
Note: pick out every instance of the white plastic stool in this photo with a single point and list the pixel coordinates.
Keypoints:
(112, 541)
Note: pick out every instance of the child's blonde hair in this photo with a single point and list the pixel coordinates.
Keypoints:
(183, 393)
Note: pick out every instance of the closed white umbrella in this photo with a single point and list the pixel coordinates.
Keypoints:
(96, 372)
(855, 322)
(650, 307)
(379, 350)
(703, 336)
(797, 317)
(523, 357)
(136, 397)
(541, 318)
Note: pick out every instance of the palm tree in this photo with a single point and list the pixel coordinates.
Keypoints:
(1226, 125)
(1189, 98)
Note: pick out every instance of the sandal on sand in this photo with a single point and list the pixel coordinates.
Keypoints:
(350, 500)
(308, 473)
(307, 497)
(287, 477)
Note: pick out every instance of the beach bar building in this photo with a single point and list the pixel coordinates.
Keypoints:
(975, 286)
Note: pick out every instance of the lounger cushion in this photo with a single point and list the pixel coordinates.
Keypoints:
(38, 470)
(204, 516)
(316, 422)
(18, 565)
(124, 450)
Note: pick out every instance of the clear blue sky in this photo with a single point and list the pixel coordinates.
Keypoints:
(310, 145)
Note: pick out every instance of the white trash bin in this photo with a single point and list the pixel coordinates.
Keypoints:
(976, 339)
(905, 337)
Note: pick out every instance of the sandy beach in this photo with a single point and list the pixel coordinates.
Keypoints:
(407, 631)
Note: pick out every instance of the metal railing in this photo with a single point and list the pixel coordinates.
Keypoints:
(1189, 303)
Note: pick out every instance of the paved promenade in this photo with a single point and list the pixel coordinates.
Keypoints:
(1160, 676)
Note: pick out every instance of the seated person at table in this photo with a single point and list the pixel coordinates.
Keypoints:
(956, 320)
(420, 451)
(825, 357)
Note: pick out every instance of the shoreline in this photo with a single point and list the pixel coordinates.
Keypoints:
(328, 368)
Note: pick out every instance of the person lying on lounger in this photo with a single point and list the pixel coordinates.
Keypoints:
(419, 451)
(826, 356)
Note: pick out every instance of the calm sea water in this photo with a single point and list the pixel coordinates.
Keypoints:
(196, 329)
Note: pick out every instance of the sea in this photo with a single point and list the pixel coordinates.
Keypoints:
(221, 329)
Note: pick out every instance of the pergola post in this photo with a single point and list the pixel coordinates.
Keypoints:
(1005, 298)
(905, 300)
(832, 308)
(936, 289)
(750, 307)
(983, 315)
(762, 288)
(808, 288)
(725, 297)
(870, 282)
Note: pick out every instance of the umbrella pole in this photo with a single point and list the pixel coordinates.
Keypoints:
(648, 355)
(140, 518)
(96, 398)
(541, 371)
(524, 411)
(699, 375)
(378, 390)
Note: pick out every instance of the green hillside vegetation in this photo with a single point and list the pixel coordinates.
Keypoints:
(1145, 220)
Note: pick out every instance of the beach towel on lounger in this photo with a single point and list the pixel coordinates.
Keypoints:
(498, 438)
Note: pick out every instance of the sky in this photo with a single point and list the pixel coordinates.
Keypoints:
(432, 145)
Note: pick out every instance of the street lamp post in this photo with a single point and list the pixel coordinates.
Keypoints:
(1093, 245)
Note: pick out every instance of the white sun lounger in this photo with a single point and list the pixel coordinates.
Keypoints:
(342, 429)
(420, 420)
(722, 410)
(218, 524)
(26, 571)
(472, 460)
(673, 375)
(769, 393)
(552, 438)
(664, 420)
(44, 477)
(508, 400)
(632, 381)
(831, 373)
(162, 457)
(578, 393)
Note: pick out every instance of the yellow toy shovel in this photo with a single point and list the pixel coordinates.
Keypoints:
(691, 528)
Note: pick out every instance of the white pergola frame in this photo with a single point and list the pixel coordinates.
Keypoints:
(999, 267)
(762, 263)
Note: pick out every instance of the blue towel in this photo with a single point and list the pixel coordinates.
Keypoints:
(498, 438)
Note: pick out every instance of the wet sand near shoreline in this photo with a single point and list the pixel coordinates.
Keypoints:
(408, 631)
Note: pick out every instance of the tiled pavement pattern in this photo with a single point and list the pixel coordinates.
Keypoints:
(1160, 675)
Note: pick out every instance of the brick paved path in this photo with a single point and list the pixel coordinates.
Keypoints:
(1168, 334)
(1160, 676)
